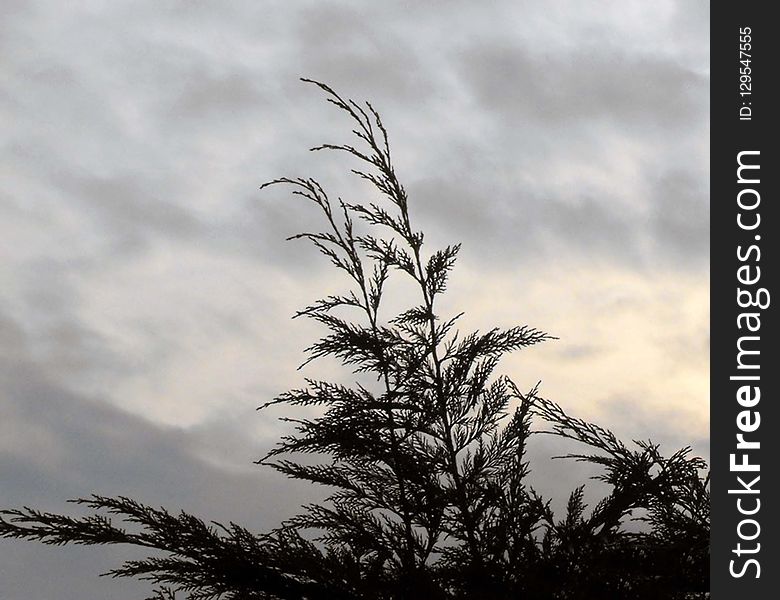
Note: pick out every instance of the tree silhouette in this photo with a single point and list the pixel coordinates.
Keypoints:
(425, 459)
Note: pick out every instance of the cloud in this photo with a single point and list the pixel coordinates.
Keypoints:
(147, 287)
(588, 84)
(56, 445)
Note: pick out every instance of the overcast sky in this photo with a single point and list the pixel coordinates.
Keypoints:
(147, 288)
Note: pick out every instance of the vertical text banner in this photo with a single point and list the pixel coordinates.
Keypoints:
(744, 366)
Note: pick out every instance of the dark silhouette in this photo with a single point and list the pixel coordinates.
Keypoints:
(425, 459)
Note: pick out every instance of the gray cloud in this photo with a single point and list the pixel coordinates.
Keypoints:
(56, 445)
(680, 216)
(590, 83)
(503, 222)
(145, 278)
(129, 213)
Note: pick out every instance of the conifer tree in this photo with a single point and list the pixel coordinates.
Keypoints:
(424, 458)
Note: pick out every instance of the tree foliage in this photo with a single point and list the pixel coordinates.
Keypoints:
(425, 460)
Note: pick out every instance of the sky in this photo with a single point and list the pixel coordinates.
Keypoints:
(147, 286)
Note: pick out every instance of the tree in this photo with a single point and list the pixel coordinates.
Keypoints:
(425, 458)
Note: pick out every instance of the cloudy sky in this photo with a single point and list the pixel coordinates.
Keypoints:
(147, 288)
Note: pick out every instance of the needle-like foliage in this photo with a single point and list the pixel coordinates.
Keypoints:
(425, 459)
